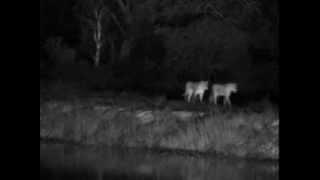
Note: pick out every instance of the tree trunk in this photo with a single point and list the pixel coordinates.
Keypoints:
(128, 18)
(97, 56)
(98, 39)
(112, 51)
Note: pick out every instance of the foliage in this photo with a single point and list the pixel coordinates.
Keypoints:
(164, 43)
(59, 52)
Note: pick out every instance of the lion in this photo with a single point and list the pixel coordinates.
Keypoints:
(224, 90)
(194, 89)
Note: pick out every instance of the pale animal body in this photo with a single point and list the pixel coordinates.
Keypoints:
(195, 89)
(224, 90)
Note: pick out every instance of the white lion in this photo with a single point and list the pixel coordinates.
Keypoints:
(224, 90)
(194, 89)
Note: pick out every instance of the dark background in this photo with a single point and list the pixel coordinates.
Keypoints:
(155, 46)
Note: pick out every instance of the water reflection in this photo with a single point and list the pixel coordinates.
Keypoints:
(59, 161)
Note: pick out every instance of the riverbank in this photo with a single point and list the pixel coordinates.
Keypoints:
(131, 120)
(69, 161)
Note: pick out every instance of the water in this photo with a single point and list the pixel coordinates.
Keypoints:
(61, 161)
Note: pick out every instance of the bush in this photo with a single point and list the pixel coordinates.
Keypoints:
(59, 52)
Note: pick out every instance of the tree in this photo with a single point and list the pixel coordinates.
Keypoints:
(93, 15)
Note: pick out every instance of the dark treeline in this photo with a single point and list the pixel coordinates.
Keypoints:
(155, 46)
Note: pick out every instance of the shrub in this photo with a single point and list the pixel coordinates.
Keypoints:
(58, 51)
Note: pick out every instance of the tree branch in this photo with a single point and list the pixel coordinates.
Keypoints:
(117, 22)
(125, 9)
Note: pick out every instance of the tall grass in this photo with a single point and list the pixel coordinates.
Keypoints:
(241, 131)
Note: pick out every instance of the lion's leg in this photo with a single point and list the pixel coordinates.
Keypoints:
(215, 99)
(189, 97)
(186, 96)
(195, 97)
(225, 100)
(199, 97)
(202, 96)
(228, 100)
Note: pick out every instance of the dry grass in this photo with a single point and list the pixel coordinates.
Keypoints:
(111, 119)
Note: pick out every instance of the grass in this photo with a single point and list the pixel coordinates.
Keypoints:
(132, 120)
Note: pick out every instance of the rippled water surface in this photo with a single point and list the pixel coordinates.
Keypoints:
(68, 162)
